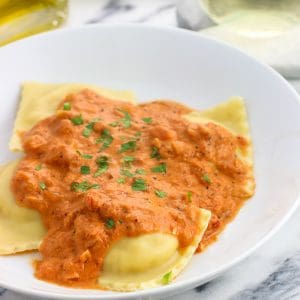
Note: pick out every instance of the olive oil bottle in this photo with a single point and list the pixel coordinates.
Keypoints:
(21, 18)
(255, 17)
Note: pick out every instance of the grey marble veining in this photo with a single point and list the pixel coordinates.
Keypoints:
(273, 271)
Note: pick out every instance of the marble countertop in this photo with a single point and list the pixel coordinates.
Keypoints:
(272, 272)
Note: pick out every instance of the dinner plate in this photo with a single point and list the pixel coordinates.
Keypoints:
(169, 64)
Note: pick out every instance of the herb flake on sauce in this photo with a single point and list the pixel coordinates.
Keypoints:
(77, 120)
(83, 186)
(42, 185)
(110, 223)
(155, 153)
(127, 160)
(102, 163)
(160, 194)
(189, 196)
(121, 180)
(161, 168)
(85, 170)
(206, 178)
(38, 167)
(126, 120)
(86, 156)
(67, 106)
(147, 120)
(106, 139)
(129, 146)
(139, 184)
(126, 173)
(140, 171)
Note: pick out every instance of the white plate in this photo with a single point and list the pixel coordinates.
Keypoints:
(180, 65)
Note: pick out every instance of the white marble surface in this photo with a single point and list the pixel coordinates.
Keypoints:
(272, 272)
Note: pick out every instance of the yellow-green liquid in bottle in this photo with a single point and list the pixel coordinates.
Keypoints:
(255, 17)
(21, 18)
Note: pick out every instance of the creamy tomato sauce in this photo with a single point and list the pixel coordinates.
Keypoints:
(100, 170)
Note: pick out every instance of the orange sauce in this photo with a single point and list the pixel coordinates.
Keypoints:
(100, 170)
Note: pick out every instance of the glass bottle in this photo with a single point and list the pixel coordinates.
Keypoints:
(21, 18)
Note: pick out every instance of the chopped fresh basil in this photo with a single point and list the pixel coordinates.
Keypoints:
(139, 184)
(42, 185)
(140, 171)
(129, 146)
(38, 167)
(77, 120)
(86, 156)
(106, 139)
(67, 106)
(85, 170)
(102, 163)
(189, 196)
(167, 278)
(121, 180)
(206, 178)
(161, 168)
(147, 120)
(83, 186)
(160, 194)
(155, 153)
(110, 223)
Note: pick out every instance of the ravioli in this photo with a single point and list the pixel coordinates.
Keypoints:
(149, 260)
(131, 263)
(232, 115)
(39, 101)
(20, 228)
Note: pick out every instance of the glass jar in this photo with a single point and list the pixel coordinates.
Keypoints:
(21, 18)
(261, 17)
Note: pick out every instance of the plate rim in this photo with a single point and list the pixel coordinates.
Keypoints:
(175, 287)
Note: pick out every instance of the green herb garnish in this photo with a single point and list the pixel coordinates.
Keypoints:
(189, 196)
(85, 170)
(160, 194)
(86, 156)
(129, 146)
(155, 153)
(102, 163)
(147, 120)
(110, 223)
(161, 168)
(114, 124)
(140, 171)
(127, 160)
(167, 278)
(126, 120)
(139, 184)
(77, 120)
(126, 173)
(67, 106)
(206, 178)
(42, 185)
(106, 139)
(83, 186)
(137, 134)
(38, 167)
(88, 129)
(121, 180)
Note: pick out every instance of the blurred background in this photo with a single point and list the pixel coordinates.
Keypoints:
(266, 29)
